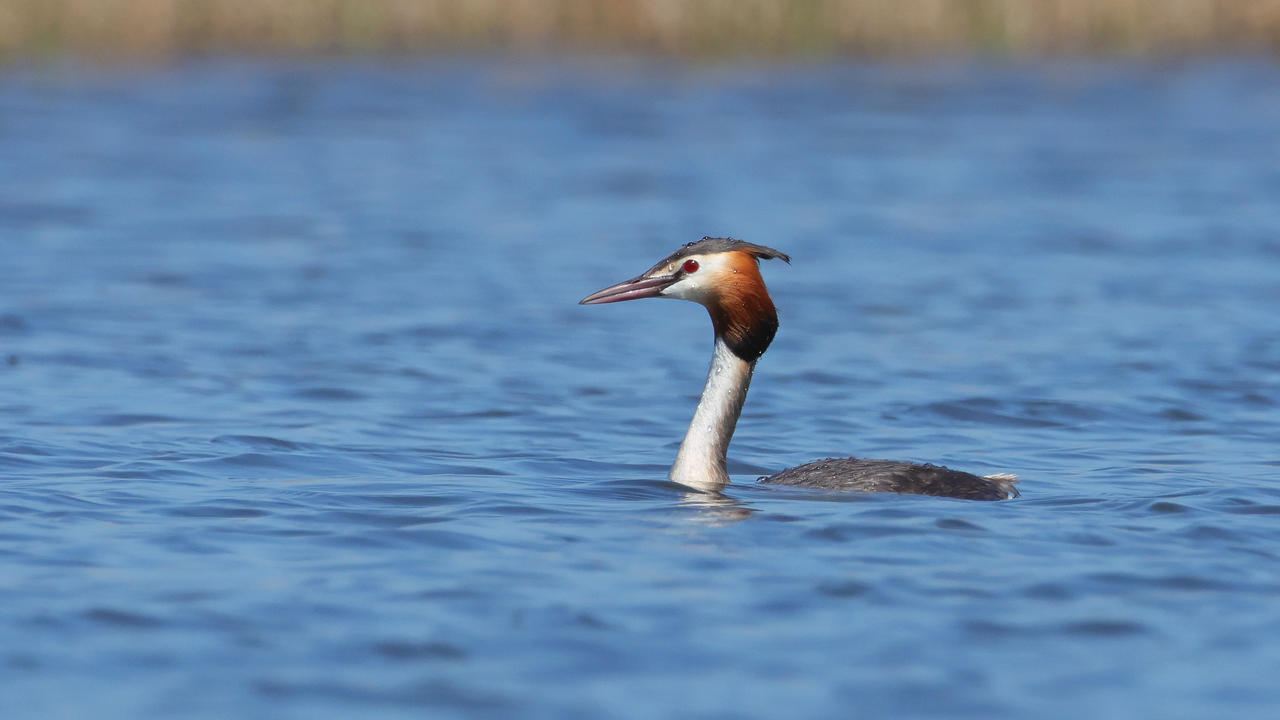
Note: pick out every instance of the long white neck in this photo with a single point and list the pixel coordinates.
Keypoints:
(701, 464)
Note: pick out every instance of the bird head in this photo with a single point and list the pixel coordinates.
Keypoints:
(720, 274)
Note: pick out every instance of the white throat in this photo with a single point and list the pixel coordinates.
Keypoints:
(701, 464)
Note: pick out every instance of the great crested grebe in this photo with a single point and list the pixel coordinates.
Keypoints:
(723, 275)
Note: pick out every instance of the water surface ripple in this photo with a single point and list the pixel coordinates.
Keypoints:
(299, 417)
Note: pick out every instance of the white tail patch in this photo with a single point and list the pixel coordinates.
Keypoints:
(1006, 482)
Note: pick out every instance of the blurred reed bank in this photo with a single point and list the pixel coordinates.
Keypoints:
(698, 28)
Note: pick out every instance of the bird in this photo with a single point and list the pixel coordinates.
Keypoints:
(723, 275)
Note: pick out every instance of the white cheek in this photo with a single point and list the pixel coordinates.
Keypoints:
(699, 286)
(690, 288)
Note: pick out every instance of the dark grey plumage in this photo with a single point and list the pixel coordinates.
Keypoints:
(895, 477)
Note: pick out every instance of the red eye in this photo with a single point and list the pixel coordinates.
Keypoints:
(691, 266)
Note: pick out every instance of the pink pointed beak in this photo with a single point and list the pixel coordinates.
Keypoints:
(633, 289)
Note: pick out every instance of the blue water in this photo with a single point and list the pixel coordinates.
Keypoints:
(299, 417)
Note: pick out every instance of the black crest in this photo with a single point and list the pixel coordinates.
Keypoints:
(712, 245)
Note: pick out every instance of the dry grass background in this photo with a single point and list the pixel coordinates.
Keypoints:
(714, 28)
